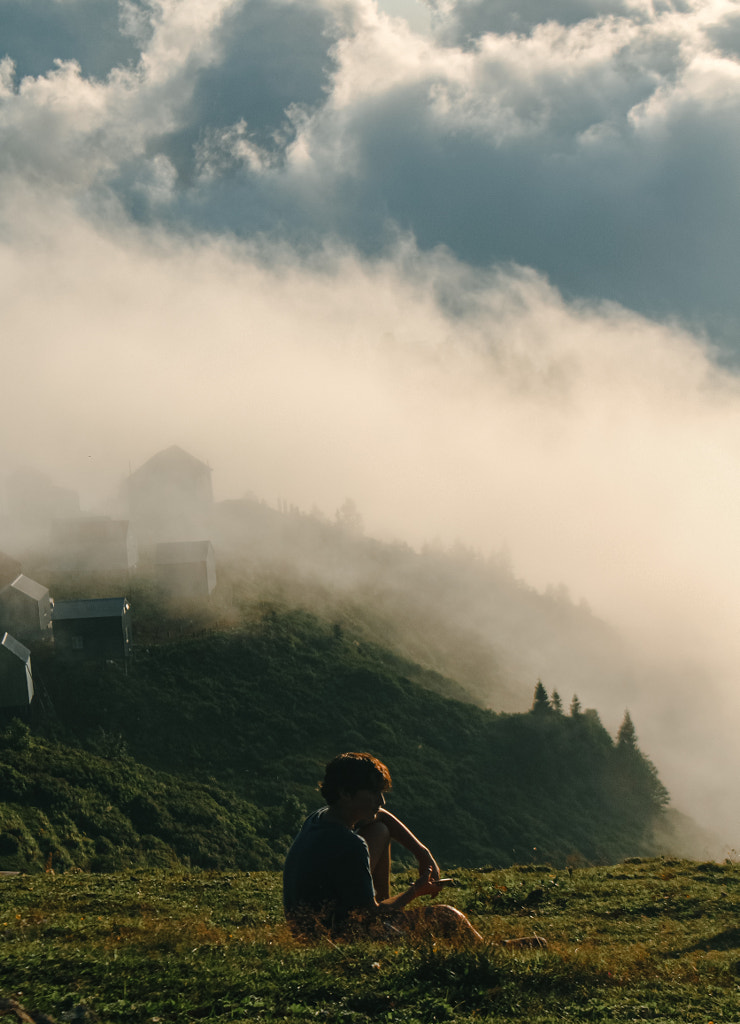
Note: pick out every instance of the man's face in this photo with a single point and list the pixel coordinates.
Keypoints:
(367, 803)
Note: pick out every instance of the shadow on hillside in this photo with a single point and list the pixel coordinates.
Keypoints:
(728, 939)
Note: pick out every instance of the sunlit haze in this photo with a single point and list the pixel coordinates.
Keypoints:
(471, 264)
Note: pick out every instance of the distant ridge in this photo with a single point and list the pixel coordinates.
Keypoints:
(208, 752)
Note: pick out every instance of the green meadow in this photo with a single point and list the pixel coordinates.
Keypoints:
(646, 939)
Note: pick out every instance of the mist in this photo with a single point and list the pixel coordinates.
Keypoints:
(596, 447)
(318, 304)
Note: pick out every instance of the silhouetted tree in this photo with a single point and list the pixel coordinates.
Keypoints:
(348, 517)
(541, 702)
(556, 702)
(627, 737)
(575, 707)
(637, 776)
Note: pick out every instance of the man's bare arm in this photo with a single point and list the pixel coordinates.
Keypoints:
(428, 867)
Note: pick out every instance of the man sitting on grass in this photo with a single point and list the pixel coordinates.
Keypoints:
(337, 873)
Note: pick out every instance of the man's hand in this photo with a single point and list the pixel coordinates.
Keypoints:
(426, 885)
(423, 886)
(428, 867)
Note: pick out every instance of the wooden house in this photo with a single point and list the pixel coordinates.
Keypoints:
(25, 609)
(186, 569)
(97, 629)
(16, 680)
(93, 546)
(170, 497)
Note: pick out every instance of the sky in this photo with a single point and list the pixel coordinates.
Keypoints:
(471, 263)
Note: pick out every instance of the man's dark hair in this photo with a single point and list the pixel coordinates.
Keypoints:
(351, 772)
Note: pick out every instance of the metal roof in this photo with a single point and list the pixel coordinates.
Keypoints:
(15, 647)
(172, 460)
(93, 608)
(28, 587)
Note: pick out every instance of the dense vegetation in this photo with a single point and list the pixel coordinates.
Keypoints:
(207, 752)
(653, 940)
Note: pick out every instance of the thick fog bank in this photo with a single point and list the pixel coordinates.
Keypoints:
(597, 448)
(472, 267)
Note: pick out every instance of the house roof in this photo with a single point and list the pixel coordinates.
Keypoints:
(15, 647)
(29, 587)
(92, 608)
(180, 552)
(170, 460)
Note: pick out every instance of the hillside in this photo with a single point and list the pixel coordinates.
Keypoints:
(463, 615)
(209, 749)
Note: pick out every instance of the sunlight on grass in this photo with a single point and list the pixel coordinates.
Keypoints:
(639, 941)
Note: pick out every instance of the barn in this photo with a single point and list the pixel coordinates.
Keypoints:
(186, 569)
(171, 497)
(25, 609)
(97, 629)
(16, 680)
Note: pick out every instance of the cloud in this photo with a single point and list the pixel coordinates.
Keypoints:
(602, 154)
(599, 150)
(272, 55)
(452, 276)
(100, 35)
(464, 21)
(724, 34)
(599, 447)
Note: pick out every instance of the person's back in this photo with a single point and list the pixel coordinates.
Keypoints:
(326, 875)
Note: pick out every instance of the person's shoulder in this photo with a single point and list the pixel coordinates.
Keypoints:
(324, 828)
(319, 823)
(316, 819)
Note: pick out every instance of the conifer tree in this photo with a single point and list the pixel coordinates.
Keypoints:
(541, 702)
(636, 774)
(627, 737)
(348, 518)
(556, 702)
(575, 707)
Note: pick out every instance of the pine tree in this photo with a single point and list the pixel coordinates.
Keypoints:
(637, 776)
(556, 702)
(627, 737)
(348, 518)
(575, 707)
(541, 702)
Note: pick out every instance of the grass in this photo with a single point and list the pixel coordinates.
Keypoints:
(654, 940)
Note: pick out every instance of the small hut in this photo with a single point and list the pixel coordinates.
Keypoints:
(16, 680)
(25, 609)
(98, 629)
(186, 569)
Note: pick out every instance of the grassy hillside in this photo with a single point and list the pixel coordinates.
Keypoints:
(452, 610)
(209, 749)
(650, 940)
